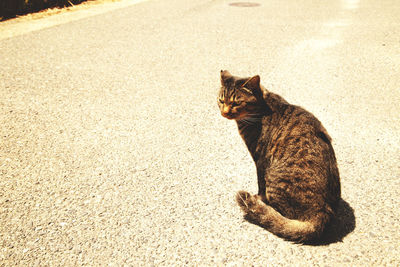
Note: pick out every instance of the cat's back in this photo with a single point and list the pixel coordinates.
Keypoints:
(295, 137)
(297, 154)
(288, 121)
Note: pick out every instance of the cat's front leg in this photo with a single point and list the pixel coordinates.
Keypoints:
(260, 166)
(261, 185)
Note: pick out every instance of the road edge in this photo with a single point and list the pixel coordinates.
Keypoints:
(20, 26)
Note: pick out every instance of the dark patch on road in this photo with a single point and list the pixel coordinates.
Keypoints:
(244, 4)
(341, 225)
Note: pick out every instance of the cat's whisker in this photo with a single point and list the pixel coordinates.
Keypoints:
(253, 118)
(247, 122)
(255, 115)
(245, 127)
(250, 120)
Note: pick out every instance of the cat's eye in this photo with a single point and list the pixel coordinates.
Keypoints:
(221, 100)
(234, 104)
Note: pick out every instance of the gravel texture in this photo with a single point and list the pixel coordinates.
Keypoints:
(113, 151)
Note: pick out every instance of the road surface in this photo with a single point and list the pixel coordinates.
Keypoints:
(113, 151)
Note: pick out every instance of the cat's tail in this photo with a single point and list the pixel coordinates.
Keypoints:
(294, 230)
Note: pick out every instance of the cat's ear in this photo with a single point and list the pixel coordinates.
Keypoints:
(224, 76)
(253, 83)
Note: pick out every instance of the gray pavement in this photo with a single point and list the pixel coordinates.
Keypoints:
(113, 151)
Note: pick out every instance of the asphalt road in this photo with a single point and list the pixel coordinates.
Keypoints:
(113, 151)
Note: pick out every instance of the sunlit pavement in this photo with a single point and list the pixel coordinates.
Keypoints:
(113, 151)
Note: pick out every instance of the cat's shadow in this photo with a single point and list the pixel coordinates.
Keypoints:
(340, 226)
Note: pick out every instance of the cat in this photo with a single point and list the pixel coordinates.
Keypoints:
(298, 177)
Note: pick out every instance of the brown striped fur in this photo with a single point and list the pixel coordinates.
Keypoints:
(298, 178)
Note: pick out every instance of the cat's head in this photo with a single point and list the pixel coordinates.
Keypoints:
(239, 98)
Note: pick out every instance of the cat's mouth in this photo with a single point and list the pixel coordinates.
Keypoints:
(232, 116)
(229, 117)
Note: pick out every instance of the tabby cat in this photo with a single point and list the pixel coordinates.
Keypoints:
(298, 178)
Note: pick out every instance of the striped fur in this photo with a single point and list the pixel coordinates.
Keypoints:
(298, 178)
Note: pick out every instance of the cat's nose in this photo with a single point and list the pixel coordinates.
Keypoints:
(226, 112)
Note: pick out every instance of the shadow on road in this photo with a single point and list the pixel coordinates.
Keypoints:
(342, 225)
